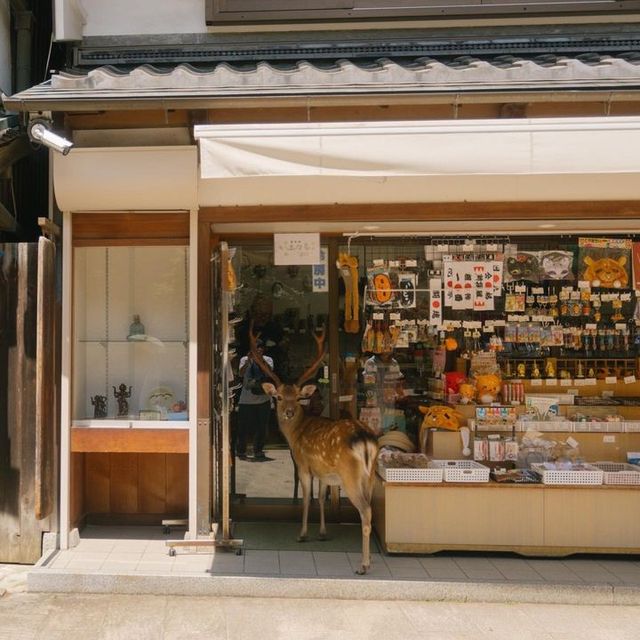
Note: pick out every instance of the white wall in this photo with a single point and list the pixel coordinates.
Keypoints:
(5, 49)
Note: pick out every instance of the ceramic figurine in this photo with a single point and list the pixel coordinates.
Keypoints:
(121, 395)
(549, 370)
(535, 373)
(521, 370)
(99, 406)
(136, 328)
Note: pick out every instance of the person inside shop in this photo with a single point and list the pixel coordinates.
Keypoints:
(254, 406)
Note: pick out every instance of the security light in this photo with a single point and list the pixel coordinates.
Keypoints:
(39, 131)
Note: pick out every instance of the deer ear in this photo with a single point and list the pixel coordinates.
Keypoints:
(269, 389)
(307, 391)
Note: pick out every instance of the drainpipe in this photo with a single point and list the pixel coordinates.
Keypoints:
(23, 27)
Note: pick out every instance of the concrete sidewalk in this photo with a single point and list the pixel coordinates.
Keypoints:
(135, 560)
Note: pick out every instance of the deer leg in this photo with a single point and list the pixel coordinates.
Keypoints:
(322, 496)
(360, 498)
(305, 481)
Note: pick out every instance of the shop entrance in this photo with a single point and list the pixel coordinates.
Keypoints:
(286, 306)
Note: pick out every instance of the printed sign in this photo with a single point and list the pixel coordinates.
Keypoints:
(320, 273)
(296, 248)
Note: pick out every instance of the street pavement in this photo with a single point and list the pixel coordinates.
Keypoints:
(25, 616)
(47, 616)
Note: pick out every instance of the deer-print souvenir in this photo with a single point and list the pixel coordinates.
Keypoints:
(604, 262)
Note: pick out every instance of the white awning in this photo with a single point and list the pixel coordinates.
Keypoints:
(422, 161)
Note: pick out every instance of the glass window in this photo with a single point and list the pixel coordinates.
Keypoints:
(131, 333)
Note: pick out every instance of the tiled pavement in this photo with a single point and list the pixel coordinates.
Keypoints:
(137, 551)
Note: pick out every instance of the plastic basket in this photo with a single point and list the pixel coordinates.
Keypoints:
(589, 475)
(619, 472)
(462, 470)
(430, 475)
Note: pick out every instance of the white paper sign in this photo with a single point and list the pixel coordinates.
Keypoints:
(610, 380)
(536, 382)
(551, 382)
(296, 248)
(629, 379)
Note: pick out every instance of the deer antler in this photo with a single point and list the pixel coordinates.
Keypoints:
(258, 359)
(316, 363)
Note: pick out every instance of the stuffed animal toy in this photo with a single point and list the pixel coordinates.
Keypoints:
(606, 272)
(487, 387)
(467, 393)
(438, 417)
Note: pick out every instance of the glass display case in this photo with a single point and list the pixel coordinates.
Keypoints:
(131, 336)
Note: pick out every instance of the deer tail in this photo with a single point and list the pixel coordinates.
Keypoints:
(365, 447)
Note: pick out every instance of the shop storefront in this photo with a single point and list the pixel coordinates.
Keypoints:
(545, 209)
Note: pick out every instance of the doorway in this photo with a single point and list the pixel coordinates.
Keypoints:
(286, 306)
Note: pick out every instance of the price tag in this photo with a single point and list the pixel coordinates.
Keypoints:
(590, 382)
(565, 382)
(378, 316)
(551, 382)
(499, 323)
(521, 288)
(491, 247)
(394, 316)
(489, 328)
(345, 398)
(411, 263)
(537, 291)
(610, 380)
(468, 247)
(394, 264)
(591, 325)
(536, 382)
(629, 379)
(620, 326)
(442, 248)
(584, 284)
(378, 262)
(579, 382)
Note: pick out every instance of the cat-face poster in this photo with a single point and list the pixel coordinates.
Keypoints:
(556, 265)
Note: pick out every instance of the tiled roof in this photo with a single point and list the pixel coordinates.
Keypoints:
(341, 77)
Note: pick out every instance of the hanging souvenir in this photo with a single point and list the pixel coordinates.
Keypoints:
(514, 303)
(604, 262)
(406, 293)
(380, 286)
(435, 302)
(556, 265)
(348, 268)
(523, 265)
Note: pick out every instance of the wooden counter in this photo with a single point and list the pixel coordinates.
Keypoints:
(534, 519)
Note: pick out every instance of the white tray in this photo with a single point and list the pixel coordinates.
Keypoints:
(462, 470)
(619, 472)
(590, 475)
(431, 475)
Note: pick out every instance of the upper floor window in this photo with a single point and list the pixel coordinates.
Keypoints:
(327, 10)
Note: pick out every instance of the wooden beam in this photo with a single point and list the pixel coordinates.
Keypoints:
(416, 212)
(105, 440)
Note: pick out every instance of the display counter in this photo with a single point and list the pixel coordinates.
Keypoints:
(527, 519)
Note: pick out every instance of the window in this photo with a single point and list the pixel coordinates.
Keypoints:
(250, 11)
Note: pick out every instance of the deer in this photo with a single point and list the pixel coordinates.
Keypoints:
(342, 451)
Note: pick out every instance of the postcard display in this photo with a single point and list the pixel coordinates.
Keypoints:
(516, 357)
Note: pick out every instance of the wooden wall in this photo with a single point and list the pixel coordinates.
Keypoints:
(20, 529)
(128, 488)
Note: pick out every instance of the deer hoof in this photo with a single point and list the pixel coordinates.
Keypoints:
(302, 538)
(362, 570)
(322, 537)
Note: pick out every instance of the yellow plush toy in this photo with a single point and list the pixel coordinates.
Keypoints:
(487, 387)
(467, 393)
(438, 417)
(606, 272)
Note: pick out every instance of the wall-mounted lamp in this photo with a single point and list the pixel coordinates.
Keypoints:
(39, 131)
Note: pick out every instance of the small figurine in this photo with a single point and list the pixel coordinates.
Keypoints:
(535, 372)
(121, 395)
(136, 328)
(521, 370)
(549, 369)
(580, 370)
(591, 373)
(99, 406)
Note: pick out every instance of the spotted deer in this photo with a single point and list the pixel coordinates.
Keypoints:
(340, 451)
